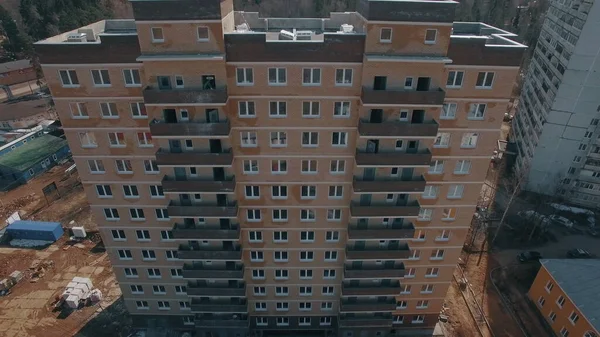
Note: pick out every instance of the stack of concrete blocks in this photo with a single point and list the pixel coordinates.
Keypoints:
(78, 289)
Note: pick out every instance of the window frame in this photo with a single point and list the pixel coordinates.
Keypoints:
(153, 36)
(277, 76)
(313, 72)
(71, 74)
(133, 83)
(455, 78)
(484, 84)
(202, 39)
(344, 71)
(388, 40)
(435, 32)
(104, 82)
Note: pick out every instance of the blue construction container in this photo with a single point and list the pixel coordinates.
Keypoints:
(35, 230)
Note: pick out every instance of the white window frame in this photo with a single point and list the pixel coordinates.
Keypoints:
(104, 81)
(248, 139)
(88, 140)
(334, 215)
(449, 111)
(251, 215)
(108, 110)
(246, 72)
(111, 214)
(114, 140)
(477, 111)
(312, 141)
(202, 39)
(313, 72)
(312, 106)
(309, 162)
(462, 166)
(342, 139)
(156, 192)
(426, 41)
(279, 107)
(281, 256)
(138, 110)
(337, 166)
(483, 85)
(425, 214)
(276, 166)
(431, 192)
(455, 191)
(151, 163)
(125, 163)
(255, 236)
(308, 215)
(436, 167)
(437, 255)
(457, 81)
(71, 74)
(345, 82)
(381, 39)
(279, 192)
(472, 139)
(308, 192)
(147, 139)
(155, 39)
(442, 140)
(307, 236)
(81, 108)
(278, 139)
(131, 192)
(338, 192)
(252, 192)
(132, 76)
(250, 164)
(104, 191)
(246, 109)
(342, 109)
(278, 80)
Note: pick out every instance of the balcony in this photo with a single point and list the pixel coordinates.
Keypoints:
(221, 323)
(384, 210)
(368, 306)
(209, 253)
(382, 233)
(373, 290)
(216, 291)
(373, 273)
(202, 211)
(212, 307)
(174, 185)
(185, 96)
(372, 322)
(221, 159)
(416, 184)
(392, 158)
(396, 252)
(402, 97)
(181, 231)
(397, 129)
(181, 129)
(191, 272)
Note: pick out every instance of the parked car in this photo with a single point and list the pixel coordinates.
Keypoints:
(578, 254)
(529, 256)
(561, 220)
(534, 216)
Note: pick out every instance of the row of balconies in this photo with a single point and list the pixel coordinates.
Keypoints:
(345, 321)
(346, 306)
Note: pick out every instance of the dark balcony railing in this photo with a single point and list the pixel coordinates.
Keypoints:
(219, 307)
(221, 323)
(373, 273)
(371, 290)
(397, 129)
(202, 211)
(353, 321)
(395, 252)
(221, 159)
(416, 184)
(368, 306)
(216, 291)
(384, 211)
(209, 253)
(189, 185)
(188, 95)
(390, 96)
(191, 272)
(201, 233)
(179, 129)
(381, 233)
(393, 158)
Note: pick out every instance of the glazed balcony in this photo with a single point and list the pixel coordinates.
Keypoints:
(386, 185)
(181, 231)
(202, 211)
(411, 209)
(207, 291)
(397, 129)
(368, 306)
(188, 185)
(402, 97)
(371, 322)
(393, 158)
(391, 252)
(219, 159)
(192, 272)
(382, 233)
(185, 252)
(154, 95)
(375, 272)
(371, 290)
(191, 129)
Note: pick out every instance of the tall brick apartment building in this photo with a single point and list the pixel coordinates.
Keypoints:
(281, 176)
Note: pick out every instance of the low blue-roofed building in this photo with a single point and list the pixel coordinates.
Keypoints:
(35, 230)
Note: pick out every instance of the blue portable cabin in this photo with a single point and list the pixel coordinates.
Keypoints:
(35, 230)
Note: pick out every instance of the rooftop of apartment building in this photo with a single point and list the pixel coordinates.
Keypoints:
(579, 281)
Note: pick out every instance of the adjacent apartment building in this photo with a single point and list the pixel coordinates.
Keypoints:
(277, 176)
(565, 292)
(556, 126)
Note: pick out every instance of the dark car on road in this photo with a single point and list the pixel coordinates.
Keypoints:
(578, 254)
(529, 256)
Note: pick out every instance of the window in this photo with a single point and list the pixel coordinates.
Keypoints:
(87, 139)
(281, 291)
(455, 79)
(430, 36)
(325, 321)
(425, 214)
(305, 291)
(253, 215)
(582, 147)
(341, 109)
(130, 272)
(337, 166)
(385, 35)
(436, 167)
(415, 254)
(307, 215)
(476, 111)
(304, 321)
(432, 272)
(329, 274)
(455, 191)
(331, 256)
(328, 291)
(137, 214)
(79, 110)
(157, 34)
(307, 236)
(311, 76)
(306, 256)
(144, 139)
(156, 191)
(422, 304)
(427, 289)
(280, 215)
(258, 274)
(143, 234)
(142, 305)
(132, 77)
(250, 166)
(150, 167)
(179, 81)
(399, 144)
(552, 316)
(306, 274)
(401, 305)
(541, 301)
(437, 254)
(68, 78)
(104, 191)
(442, 140)
(116, 139)
(278, 166)
(485, 80)
(408, 84)
(339, 139)
(280, 256)
(405, 289)
(138, 110)
(334, 215)
(148, 255)
(111, 214)
(280, 236)
(260, 291)
(202, 33)
(431, 192)
(245, 76)
(252, 192)
(277, 76)
(469, 140)
(283, 321)
(279, 192)
(159, 290)
(577, 159)
(336, 192)
(343, 77)
(311, 109)
(560, 301)
(549, 286)
(262, 321)
(444, 236)
(153, 273)
(449, 111)
(310, 139)
(176, 273)
(161, 214)
(398, 320)
(282, 306)
(248, 139)
(462, 167)
(101, 78)
(277, 109)
(166, 235)
(309, 166)
(164, 305)
(305, 306)
(278, 139)
(564, 332)
(418, 319)
(246, 109)
(260, 306)
(118, 235)
(256, 256)
(332, 236)
(184, 306)
(588, 134)
(308, 192)
(255, 236)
